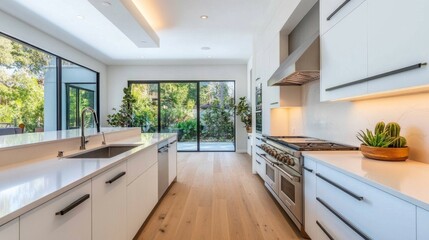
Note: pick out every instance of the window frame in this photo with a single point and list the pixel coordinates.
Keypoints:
(59, 96)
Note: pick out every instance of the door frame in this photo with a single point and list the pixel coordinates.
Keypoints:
(158, 82)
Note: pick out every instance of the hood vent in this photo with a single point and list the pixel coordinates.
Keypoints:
(303, 63)
(301, 66)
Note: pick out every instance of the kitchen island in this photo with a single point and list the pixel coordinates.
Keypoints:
(45, 187)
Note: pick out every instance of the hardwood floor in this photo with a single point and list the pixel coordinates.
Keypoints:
(217, 197)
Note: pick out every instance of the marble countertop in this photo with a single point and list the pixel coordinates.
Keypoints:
(25, 187)
(408, 180)
(14, 140)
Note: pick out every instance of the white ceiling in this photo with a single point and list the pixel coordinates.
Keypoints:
(228, 31)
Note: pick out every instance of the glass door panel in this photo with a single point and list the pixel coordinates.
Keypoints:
(217, 116)
(78, 97)
(146, 107)
(178, 113)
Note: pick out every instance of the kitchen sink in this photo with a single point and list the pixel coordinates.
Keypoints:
(105, 152)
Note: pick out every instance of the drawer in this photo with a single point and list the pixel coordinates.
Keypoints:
(422, 224)
(260, 166)
(309, 165)
(329, 225)
(140, 162)
(379, 214)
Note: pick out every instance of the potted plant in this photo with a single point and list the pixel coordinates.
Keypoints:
(385, 143)
(124, 116)
(243, 110)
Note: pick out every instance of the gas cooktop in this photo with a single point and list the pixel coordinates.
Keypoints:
(302, 143)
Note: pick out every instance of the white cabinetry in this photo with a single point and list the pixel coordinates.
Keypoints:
(344, 56)
(109, 207)
(66, 217)
(10, 230)
(328, 7)
(422, 224)
(142, 188)
(172, 159)
(397, 42)
(310, 198)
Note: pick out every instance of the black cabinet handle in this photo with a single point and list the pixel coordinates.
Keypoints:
(308, 169)
(258, 138)
(259, 146)
(173, 142)
(337, 10)
(73, 205)
(116, 178)
(405, 69)
(324, 230)
(344, 220)
(257, 79)
(258, 162)
(274, 103)
(359, 198)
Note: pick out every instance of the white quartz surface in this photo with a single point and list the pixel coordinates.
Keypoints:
(26, 187)
(43, 137)
(408, 180)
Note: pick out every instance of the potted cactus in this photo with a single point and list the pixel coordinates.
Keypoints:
(385, 143)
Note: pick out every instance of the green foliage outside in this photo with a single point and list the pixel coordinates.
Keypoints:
(178, 110)
(22, 76)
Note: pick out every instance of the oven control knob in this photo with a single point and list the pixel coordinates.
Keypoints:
(291, 162)
(274, 153)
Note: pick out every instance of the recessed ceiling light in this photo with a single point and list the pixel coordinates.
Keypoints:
(80, 17)
(204, 17)
(106, 3)
(205, 48)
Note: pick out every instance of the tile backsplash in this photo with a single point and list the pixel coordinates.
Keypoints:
(340, 121)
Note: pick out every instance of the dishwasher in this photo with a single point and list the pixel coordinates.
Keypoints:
(162, 168)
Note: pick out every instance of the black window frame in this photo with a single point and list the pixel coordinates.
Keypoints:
(59, 60)
(73, 85)
(158, 82)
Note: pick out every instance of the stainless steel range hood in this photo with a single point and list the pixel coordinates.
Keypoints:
(303, 63)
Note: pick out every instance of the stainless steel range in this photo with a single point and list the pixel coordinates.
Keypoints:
(283, 169)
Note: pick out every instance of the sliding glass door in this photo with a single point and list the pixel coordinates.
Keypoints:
(179, 113)
(200, 112)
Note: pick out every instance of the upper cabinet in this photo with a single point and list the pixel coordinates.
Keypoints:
(344, 56)
(373, 52)
(332, 11)
(397, 42)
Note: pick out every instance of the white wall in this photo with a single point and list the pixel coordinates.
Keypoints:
(24, 32)
(340, 121)
(118, 77)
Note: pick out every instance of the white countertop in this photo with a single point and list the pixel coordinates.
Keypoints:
(26, 187)
(408, 180)
(14, 140)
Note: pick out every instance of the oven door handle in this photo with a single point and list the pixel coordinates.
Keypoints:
(290, 176)
(264, 156)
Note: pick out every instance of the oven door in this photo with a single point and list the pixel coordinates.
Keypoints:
(258, 122)
(290, 192)
(271, 175)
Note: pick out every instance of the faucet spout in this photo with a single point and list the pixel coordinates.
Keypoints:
(83, 139)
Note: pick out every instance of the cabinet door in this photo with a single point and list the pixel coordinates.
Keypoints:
(10, 230)
(310, 198)
(142, 196)
(344, 56)
(52, 221)
(327, 7)
(422, 224)
(396, 42)
(109, 207)
(172, 160)
(140, 162)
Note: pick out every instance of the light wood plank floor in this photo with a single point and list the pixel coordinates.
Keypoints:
(217, 197)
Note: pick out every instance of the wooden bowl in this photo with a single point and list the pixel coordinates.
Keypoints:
(385, 154)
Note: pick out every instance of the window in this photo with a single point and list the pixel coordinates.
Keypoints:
(33, 85)
(202, 113)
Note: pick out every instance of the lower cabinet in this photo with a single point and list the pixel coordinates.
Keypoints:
(310, 198)
(338, 206)
(142, 196)
(109, 209)
(422, 224)
(10, 230)
(66, 217)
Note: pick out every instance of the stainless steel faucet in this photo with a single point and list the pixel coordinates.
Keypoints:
(83, 139)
